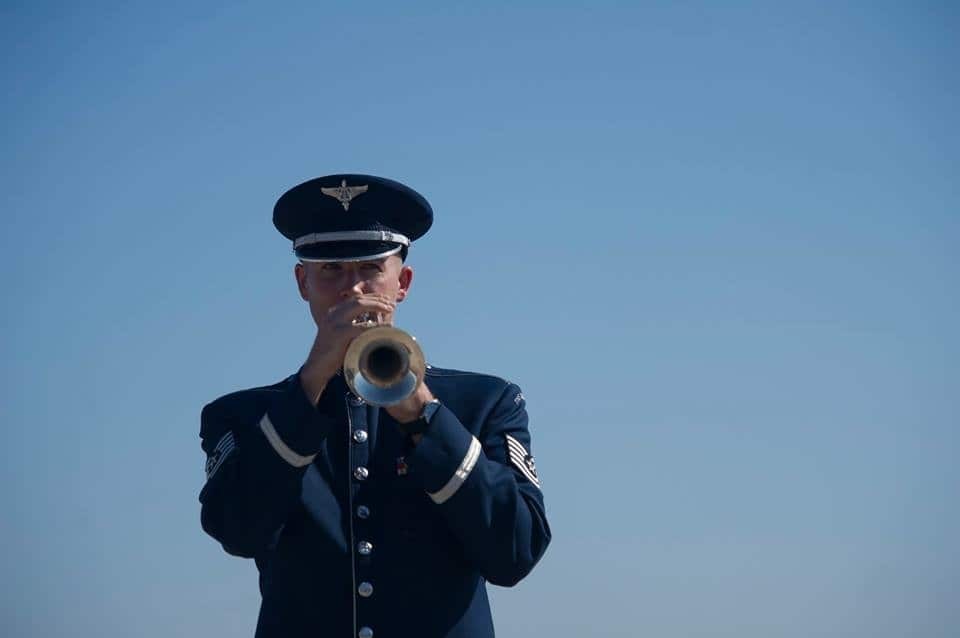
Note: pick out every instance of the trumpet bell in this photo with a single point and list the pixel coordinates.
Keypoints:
(384, 366)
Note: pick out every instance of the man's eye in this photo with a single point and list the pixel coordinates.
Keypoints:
(371, 267)
(331, 267)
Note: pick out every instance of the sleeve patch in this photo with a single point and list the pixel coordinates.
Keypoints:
(225, 446)
(522, 460)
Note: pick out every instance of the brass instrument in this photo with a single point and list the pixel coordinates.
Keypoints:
(384, 365)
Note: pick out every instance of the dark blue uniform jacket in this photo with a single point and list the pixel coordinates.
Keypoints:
(355, 531)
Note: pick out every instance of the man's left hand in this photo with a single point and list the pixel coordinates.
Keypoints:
(411, 408)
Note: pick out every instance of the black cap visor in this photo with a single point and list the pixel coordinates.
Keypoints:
(349, 251)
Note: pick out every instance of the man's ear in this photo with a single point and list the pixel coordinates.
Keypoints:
(406, 279)
(300, 273)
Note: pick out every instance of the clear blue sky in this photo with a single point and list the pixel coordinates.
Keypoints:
(716, 246)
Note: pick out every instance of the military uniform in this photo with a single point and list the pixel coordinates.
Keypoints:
(356, 530)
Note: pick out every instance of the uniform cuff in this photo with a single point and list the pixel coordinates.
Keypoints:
(293, 426)
(445, 456)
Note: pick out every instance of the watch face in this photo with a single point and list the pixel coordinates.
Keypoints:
(430, 409)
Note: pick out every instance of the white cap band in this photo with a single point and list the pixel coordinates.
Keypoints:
(351, 235)
(329, 260)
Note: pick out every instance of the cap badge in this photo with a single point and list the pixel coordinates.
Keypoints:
(343, 193)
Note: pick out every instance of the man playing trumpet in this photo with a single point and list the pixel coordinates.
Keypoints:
(369, 516)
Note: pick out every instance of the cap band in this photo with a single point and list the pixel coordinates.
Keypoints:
(351, 235)
(326, 260)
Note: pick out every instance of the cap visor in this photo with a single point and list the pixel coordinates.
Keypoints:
(347, 251)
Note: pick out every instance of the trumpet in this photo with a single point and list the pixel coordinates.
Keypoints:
(384, 365)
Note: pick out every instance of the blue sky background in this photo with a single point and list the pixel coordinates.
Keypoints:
(715, 245)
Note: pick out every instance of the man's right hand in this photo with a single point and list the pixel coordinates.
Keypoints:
(335, 331)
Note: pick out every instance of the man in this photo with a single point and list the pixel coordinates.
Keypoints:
(370, 521)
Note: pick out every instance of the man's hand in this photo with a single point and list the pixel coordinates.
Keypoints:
(335, 331)
(411, 408)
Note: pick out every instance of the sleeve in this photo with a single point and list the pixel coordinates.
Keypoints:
(255, 464)
(487, 489)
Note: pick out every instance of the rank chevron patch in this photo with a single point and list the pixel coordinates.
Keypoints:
(225, 446)
(522, 460)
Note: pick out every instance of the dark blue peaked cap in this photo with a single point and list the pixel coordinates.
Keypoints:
(349, 217)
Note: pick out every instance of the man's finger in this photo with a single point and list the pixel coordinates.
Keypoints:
(358, 305)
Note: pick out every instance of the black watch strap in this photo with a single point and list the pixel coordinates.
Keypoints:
(420, 425)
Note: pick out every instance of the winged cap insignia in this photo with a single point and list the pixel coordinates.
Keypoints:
(343, 193)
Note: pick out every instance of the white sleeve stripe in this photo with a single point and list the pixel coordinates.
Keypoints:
(225, 449)
(516, 443)
(288, 455)
(458, 478)
(226, 440)
(516, 447)
(223, 457)
(516, 456)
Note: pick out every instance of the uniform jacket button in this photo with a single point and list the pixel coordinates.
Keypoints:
(365, 548)
(365, 589)
(365, 632)
(361, 473)
(363, 512)
(360, 436)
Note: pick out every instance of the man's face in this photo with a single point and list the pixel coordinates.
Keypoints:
(324, 285)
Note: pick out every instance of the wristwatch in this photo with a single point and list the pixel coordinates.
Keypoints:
(420, 425)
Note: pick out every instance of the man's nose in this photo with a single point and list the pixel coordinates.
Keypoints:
(355, 285)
